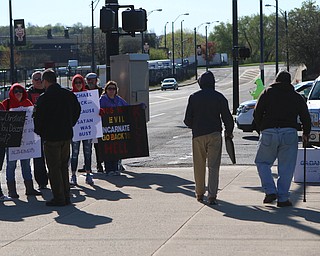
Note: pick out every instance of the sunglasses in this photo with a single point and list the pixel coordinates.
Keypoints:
(17, 91)
(111, 88)
(77, 82)
(37, 79)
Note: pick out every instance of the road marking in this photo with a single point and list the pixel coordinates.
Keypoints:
(157, 115)
(164, 101)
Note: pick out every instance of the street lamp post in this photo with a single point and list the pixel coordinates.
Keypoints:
(284, 14)
(195, 47)
(142, 33)
(12, 71)
(173, 65)
(261, 43)
(165, 35)
(181, 35)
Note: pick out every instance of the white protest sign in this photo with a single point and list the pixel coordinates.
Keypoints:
(89, 125)
(30, 143)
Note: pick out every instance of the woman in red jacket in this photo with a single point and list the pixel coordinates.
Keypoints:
(18, 98)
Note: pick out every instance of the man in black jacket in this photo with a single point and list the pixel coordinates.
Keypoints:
(55, 113)
(275, 115)
(206, 111)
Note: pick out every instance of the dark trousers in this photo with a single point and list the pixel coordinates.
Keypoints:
(57, 155)
(2, 155)
(98, 158)
(40, 170)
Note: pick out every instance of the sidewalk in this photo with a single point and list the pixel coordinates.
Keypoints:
(154, 212)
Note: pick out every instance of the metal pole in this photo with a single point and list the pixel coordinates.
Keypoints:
(173, 66)
(93, 68)
(277, 37)
(287, 40)
(206, 48)
(235, 57)
(181, 38)
(12, 74)
(261, 43)
(195, 54)
(165, 35)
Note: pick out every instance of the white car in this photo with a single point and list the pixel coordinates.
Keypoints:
(169, 83)
(314, 110)
(244, 115)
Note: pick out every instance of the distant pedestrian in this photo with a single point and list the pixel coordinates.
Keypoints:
(56, 112)
(78, 85)
(18, 98)
(275, 115)
(39, 165)
(2, 155)
(110, 98)
(206, 110)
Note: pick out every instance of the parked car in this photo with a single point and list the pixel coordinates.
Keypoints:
(169, 83)
(313, 103)
(244, 115)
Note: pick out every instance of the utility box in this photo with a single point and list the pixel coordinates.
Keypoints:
(131, 73)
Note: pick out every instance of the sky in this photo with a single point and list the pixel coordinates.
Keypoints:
(69, 12)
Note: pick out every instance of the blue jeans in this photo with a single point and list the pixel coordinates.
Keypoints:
(25, 167)
(87, 151)
(281, 144)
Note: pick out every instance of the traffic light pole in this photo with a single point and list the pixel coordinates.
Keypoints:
(235, 57)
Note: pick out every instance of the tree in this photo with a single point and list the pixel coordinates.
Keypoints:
(304, 25)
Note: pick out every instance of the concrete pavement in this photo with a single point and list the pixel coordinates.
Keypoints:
(154, 212)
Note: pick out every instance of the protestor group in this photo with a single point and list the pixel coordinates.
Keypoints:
(55, 112)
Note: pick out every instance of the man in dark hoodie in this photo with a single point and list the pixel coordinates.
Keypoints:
(206, 110)
(275, 115)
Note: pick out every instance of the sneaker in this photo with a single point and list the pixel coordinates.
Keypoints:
(111, 173)
(199, 198)
(73, 180)
(212, 201)
(117, 173)
(89, 179)
(5, 198)
(269, 198)
(284, 204)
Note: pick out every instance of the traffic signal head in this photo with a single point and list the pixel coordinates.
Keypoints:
(107, 19)
(134, 20)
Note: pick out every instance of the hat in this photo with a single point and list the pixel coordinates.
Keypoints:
(91, 76)
(283, 77)
(207, 80)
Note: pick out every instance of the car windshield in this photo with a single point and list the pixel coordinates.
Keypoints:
(315, 93)
(168, 80)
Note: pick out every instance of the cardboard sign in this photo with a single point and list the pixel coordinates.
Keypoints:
(89, 124)
(312, 165)
(124, 133)
(11, 127)
(30, 143)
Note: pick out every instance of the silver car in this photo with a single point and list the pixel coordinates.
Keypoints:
(169, 83)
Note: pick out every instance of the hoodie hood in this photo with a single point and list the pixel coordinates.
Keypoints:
(74, 88)
(13, 101)
(207, 80)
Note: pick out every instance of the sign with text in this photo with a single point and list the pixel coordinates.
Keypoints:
(30, 143)
(124, 133)
(89, 124)
(11, 127)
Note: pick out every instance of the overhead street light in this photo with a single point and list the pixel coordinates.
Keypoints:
(165, 34)
(207, 61)
(173, 65)
(142, 33)
(195, 47)
(284, 14)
